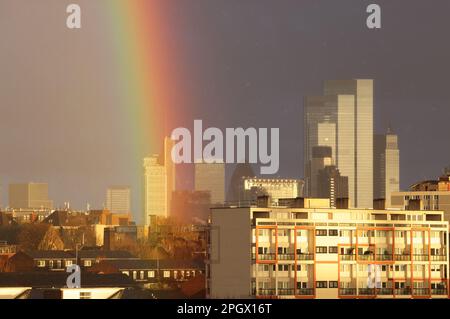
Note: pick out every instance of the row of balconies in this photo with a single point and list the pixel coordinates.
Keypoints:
(395, 257)
(392, 291)
(352, 257)
(350, 292)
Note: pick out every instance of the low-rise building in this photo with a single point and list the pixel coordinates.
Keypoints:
(152, 271)
(314, 251)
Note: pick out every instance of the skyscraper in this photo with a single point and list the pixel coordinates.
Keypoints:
(29, 196)
(386, 161)
(343, 120)
(118, 199)
(211, 177)
(169, 166)
(159, 183)
(155, 189)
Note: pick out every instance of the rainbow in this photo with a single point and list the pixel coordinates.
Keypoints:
(147, 84)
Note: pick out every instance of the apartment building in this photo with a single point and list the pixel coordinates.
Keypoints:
(314, 251)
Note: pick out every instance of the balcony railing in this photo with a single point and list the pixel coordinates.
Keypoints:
(421, 291)
(266, 292)
(402, 291)
(365, 257)
(385, 291)
(421, 257)
(305, 292)
(286, 256)
(348, 257)
(347, 291)
(267, 257)
(384, 257)
(403, 257)
(285, 291)
(366, 291)
(307, 256)
(438, 257)
(439, 291)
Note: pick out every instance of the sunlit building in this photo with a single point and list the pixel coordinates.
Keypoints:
(29, 196)
(343, 120)
(211, 177)
(313, 251)
(426, 195)
(118, 199)
(274, 188)
(155, 189)
(386, 173)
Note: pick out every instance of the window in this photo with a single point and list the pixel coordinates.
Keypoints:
(126, 273)
(333, 232)
(332, 284)
(299, 267)
(141, 274)
(321, 249)
(151, 274)
(333, 250)
(321, 284)
(87, 263)
(134, 275)
(321, 232)
(68, 263)
(50, 263)
(166, 274)
(41, 263)
(85, 295)
(283, 267)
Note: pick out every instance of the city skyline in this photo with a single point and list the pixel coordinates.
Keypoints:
(70, 85)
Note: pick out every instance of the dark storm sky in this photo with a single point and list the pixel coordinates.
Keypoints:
(249, 63)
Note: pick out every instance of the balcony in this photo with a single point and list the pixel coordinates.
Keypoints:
(421, 292)
(402, 291)
(286, 291)
(365, 257)
(421, 257)
(305, 292)
(385, 291)
(438, 257)
(348, 257)
(266, 257)
(286, 256)
(347, 291)
(384, 257)
(366, 291)
(266, 292)
(439, 291)
(402, 257)
(307, 256)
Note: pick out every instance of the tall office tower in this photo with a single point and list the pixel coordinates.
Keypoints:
(118, 200)
(155, 189)
(29, 196)
(170, 171)
(343, 120)
(386, 160)
(332, 185)
(321, 158)
(211, 177)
